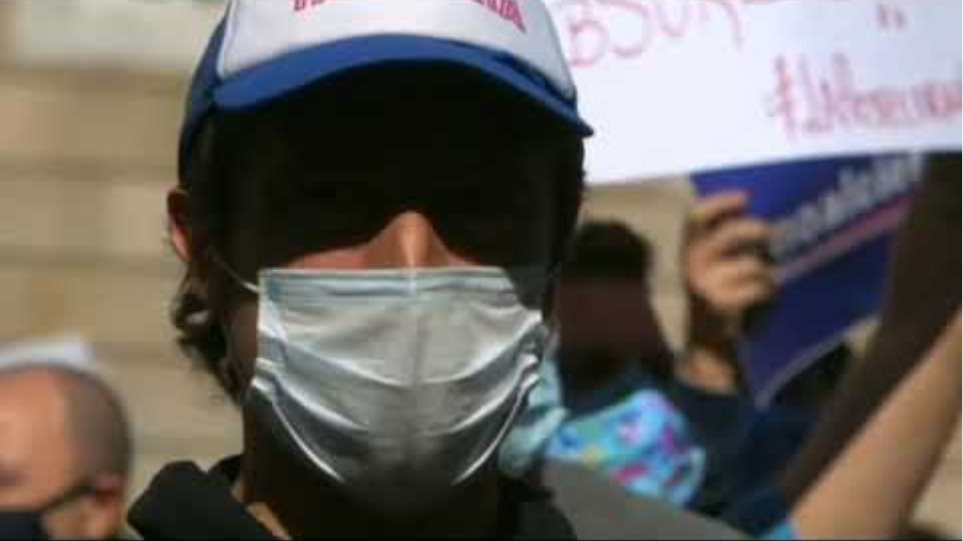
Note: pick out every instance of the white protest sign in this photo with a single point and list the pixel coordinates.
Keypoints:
(671, 86)
(675, 86)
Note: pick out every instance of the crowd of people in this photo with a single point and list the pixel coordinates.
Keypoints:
(384, 270)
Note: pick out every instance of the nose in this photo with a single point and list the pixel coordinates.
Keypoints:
(410, 240)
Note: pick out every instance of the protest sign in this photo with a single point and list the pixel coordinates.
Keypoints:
(671, 86)
(833, 221)
(681, 86)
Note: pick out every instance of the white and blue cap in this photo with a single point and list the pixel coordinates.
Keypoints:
(265, 49)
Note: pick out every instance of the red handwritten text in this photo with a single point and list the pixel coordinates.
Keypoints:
(301, 5)
(807, 103)
(593, 30)
(507, 10)
(890, 17)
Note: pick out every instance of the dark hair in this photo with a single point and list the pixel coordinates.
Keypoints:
(608, 250)
(389, 108)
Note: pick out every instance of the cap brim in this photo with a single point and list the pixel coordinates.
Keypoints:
(294, 71)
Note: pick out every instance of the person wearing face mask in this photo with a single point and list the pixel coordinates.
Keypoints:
(64, 454)
(608, 329)
(373, 197)
(755, 450)
(636, 413)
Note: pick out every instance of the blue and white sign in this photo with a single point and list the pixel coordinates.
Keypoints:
(834, 221)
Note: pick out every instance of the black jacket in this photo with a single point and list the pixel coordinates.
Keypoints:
(183, 502)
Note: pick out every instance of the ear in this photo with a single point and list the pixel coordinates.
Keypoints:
(178, 223)
(104, 515)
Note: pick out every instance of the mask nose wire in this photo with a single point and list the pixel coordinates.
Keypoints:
(551, 275)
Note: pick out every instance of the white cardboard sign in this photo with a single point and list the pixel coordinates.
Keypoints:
(671, 86)
(675, 86)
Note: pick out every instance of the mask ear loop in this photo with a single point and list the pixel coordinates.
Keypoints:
(225, 366)
(216, 258)
(553, 274)
(550, 283)
(227, 369)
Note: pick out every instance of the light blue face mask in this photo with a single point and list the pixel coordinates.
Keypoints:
(544, 414)
(396, 384)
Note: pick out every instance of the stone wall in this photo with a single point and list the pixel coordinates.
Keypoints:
(85, 160)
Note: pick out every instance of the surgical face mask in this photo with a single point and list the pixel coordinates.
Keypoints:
(21, 525)
(396, 384)
(28, 523)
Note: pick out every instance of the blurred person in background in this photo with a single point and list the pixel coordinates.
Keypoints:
(65, 453)
(879, 438)
(862, 471)
(370, 224)
(729, 279)
(699, 441)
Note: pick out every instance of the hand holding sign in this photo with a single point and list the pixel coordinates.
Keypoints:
(832, 223)
(727, 273)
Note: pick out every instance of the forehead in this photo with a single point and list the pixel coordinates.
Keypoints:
(330, 167)
(403, 128)
(399, 109)
(435, 138)
(33, 440)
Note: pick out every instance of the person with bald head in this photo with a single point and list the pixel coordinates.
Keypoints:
(64, 455)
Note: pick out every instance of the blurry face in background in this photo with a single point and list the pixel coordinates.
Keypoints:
(604, 326)
(38, 463)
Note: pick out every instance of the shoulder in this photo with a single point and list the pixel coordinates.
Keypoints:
(599, 508)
